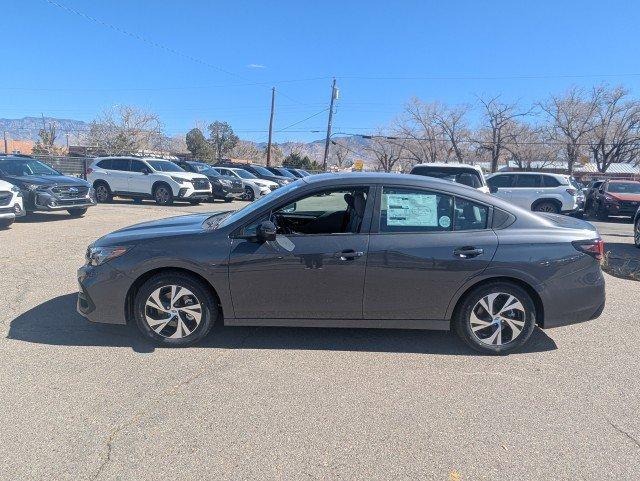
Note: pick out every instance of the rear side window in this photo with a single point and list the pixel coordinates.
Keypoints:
(104, 164)
(414, 210)
(548, 181)
(119, 164)
(469, 215)
(500, 181)
(524, 181)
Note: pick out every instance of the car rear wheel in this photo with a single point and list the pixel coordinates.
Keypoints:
(636, 233)
(163, 195)
(496, 318)
(174, 309)
(77, 212)
(249, 194)
(546, 206)
(103, 193)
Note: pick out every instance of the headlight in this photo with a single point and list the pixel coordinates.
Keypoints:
(179, 180)
(99, 255)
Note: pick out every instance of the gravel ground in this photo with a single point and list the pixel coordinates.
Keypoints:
(86, 401)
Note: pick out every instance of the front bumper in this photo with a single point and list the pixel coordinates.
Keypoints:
(625, 209)
(46, 201)
(186, 193)
(10, 212)
(102, 293)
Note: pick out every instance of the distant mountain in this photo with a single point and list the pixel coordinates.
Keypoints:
(28, 128)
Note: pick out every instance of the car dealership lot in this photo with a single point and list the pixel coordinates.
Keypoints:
(86, 401)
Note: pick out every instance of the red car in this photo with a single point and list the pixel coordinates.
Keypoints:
(617, 197)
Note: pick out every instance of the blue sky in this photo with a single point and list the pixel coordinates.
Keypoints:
(61, 64)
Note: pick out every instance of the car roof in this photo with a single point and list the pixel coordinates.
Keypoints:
(517, 172)
(450, 165)
(623, 181)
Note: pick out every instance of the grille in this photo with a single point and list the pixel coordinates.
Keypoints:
(200, 184)
(5, 198)
(70, 191)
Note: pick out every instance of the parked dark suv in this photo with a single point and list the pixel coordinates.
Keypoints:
(259, 171)
(44, 188)
(223, 187)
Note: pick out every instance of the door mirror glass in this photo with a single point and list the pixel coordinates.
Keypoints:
(493, 189)
(266, 231)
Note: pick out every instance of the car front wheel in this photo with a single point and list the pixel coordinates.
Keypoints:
(103, 193)
(174, 309)
(249, 194)
(77, 212)
(636, 233)
(163, 195)
(496, 318)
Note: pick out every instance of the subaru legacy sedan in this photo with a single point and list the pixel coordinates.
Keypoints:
(353, 250)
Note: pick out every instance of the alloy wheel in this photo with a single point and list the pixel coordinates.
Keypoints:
(636, 233)
(497, 319)
(547, 207)
(248, 193)
(162, 195)
(102, 193)
(173, 311)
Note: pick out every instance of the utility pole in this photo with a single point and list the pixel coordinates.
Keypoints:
(67, 134)
(6, 150)
(273, 105)
(326, 142)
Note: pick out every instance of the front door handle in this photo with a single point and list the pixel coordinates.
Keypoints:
(348, 255)
(467, 252)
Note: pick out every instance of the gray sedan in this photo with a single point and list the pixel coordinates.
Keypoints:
(354, 250)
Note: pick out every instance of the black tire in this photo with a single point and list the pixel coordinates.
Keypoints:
(526, 321)
(103, 192)
(249, 194)
(163, 195)
(546, 206)
(203, 297)
(194, 202)
(77, 212)
(636, 233)
(228, 200)
(5, 223)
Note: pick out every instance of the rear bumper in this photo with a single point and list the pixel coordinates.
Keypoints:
(575, 298)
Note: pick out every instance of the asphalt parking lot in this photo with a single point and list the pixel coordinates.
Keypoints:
(86, 401)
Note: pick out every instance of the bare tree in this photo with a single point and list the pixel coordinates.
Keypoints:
(340, 154)
(615, 136)
(571, 120)
(418, 124)
(530, 148)
(126, 130)
(246, 150)
(497, 131)
(386, 151)
(454, 128)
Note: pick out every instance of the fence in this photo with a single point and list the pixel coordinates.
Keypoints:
(73, 166)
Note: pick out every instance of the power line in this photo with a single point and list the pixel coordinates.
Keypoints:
(303, 120)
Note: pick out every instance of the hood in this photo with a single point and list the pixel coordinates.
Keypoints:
(266, 183)
(181, 225)
(185, 175)
(627, 197)
(47, 180)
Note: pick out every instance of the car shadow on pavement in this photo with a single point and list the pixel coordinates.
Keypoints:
(57, 322)
(622, 260)
(38, 217)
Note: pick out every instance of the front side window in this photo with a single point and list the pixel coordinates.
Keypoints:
(138, 166)
(469, 215)
(413, 210)
(119, 164)
(528, 181)
(500, 181)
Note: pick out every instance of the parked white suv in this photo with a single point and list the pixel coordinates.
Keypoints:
(146, 177)
(254, 187)
(537, 191)
(464, 174)
(11, 204)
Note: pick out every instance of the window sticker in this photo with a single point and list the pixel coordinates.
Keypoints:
(412, 210)
(445, 221)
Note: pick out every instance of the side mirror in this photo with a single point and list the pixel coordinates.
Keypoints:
(146, 171)
(493, 189)
(266, 231)
(289, 209)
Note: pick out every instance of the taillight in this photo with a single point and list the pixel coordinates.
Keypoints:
(571, 191)
(89, 170)
(592, 247)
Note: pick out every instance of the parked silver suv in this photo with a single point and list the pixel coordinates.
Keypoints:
(537, 191)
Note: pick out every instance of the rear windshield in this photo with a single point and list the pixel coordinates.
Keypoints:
(469, 177)
(624, 187)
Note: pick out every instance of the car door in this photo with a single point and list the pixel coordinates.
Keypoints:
(139, 181)
(503, 184)
(424, 245)
(316, 266)
(527, 188)
(119, 175)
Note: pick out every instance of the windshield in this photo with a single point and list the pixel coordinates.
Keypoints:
(285, 173)
(263, 171)
(244, 174)
(256, 205)
(26, 167)
(624, 188)
(205, 169)
(468, 177)
(164, 166)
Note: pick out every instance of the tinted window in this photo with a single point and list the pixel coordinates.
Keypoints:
(528, 181)
(624, 187)
(469, 215)
(119, 164)
(26, 167)
(500, 181)
(469, 177)
(413, 210)
(138, 166)
(105, 164)
(548, 181)
(164, 166)
(261, 170)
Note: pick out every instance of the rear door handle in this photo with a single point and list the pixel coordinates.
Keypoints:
(348, 254)
(467, 252)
